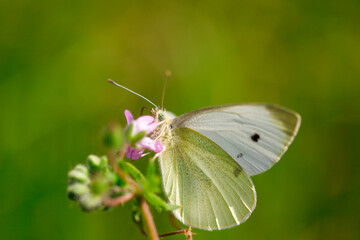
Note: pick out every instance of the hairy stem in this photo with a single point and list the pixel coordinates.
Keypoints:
(149, 219)
(187, 232)
(143, 204)
(111, 202)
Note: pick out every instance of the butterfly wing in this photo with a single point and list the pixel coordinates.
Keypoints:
(213, 191)
(255, 135)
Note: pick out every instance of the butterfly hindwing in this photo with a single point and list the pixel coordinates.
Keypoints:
(255, 135)
(214, 192)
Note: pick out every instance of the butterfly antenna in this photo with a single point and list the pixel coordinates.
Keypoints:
(142, 110)
(167, 75)
(116, 84)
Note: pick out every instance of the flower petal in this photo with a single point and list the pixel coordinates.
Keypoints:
(133, 153)
(129, 117)
(151, 127)
(158, 147)
(145, 123)
(150, 144)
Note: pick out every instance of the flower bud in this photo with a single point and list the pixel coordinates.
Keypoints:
(79, 174)
(99, 186)
(90, 202)
(76, 190)
(82, 168)
(90, 184)
(97, 164)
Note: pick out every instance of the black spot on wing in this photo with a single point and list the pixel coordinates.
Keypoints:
(237, 172)
(239, 155)
(255, 137)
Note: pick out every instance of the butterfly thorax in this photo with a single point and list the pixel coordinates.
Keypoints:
(163, 132)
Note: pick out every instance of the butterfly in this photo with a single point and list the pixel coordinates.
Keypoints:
(210, 154)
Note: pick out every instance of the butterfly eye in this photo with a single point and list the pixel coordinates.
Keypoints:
(162, 116)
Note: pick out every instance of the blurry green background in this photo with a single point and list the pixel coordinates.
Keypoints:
(55, 58)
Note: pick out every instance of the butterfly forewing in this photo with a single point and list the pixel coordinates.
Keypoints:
(214, 192)
(255, 135)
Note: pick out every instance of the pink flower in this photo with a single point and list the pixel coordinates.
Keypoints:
(142, 126)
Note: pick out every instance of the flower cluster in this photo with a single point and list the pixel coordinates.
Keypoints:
(88, 184)
(109, 181)
(137, 135)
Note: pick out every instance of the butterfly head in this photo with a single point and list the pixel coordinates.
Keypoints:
(161, 115)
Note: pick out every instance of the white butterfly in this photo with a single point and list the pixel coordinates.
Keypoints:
(211, 153)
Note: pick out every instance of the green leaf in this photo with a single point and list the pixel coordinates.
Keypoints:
(172, 207)
(132, 170)
(155, 201)
(158, 203)
(137, 137)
